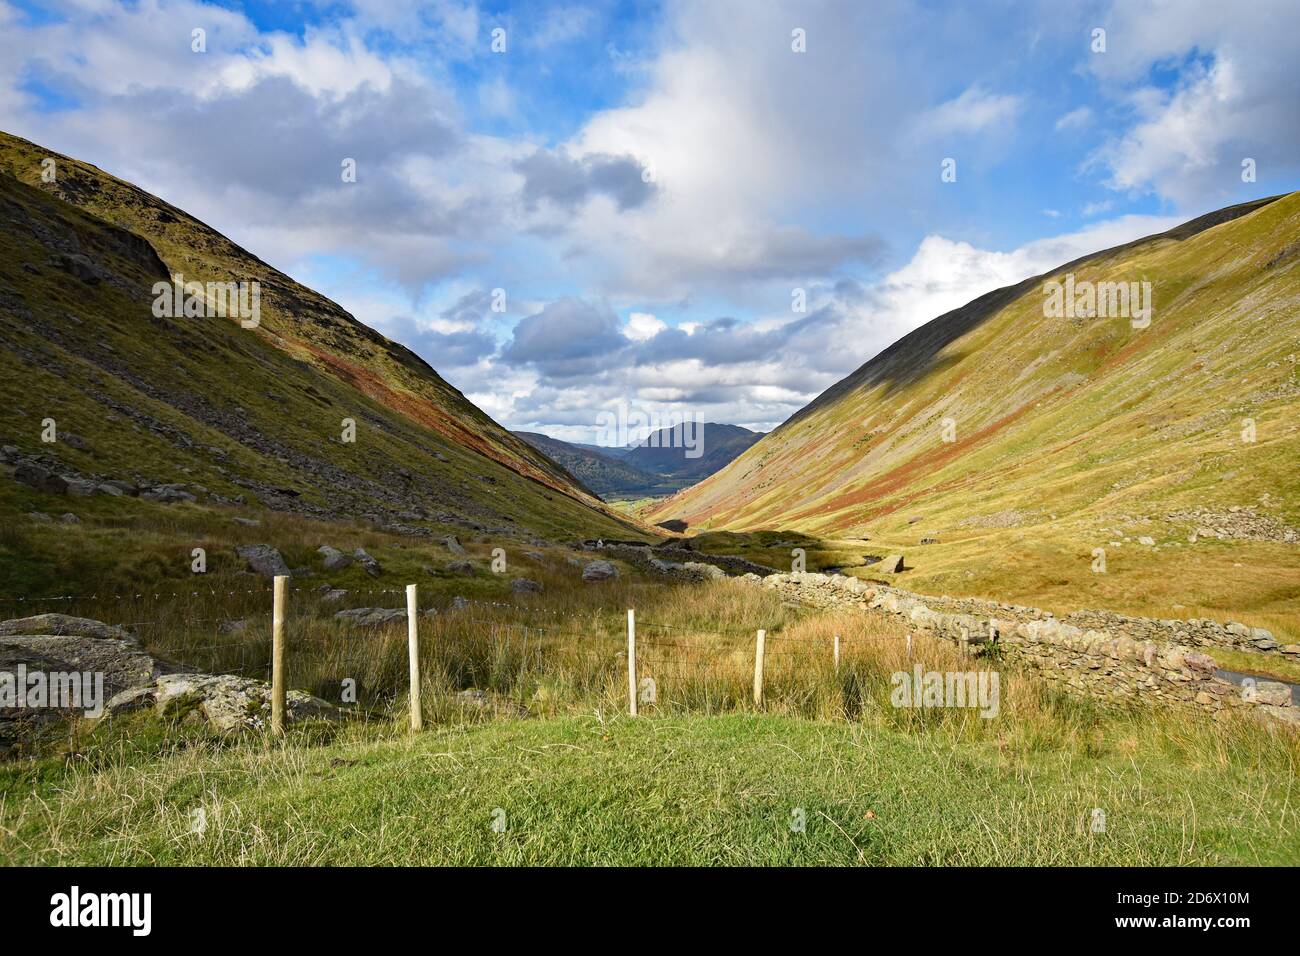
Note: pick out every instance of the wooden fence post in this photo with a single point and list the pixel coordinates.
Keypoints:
(277, 655)
(758, 668)
(837, 652)
(631, 662)
(413, 653)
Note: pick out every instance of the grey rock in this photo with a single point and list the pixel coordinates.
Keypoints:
(41, 479)
(69, 518)
(891, 564)
(263, 559)
(460, 567)
(247, 522)
(453, 545)
(334, 559)
(1273, 693)
(371, 616)
(168, 494)
(599, 571)
(368, 564)
(525, 586)
(708, 572)
(38, 516)
(230, 703)
(458, 603)
(80, 487)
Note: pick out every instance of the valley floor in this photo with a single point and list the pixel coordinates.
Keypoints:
(737, 789)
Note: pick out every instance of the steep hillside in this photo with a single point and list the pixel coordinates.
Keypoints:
(604, 475)
(1015, 443)
(236, 415)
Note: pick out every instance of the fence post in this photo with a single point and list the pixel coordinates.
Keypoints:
(758, 668)
(413, 653)
(837, 652)
(631, 662)
(277, 655)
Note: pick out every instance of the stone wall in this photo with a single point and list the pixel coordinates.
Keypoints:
(1099, 661)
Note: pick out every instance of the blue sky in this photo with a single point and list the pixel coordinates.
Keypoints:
(651, 185)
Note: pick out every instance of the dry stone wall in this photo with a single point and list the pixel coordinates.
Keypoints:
(1091, 652)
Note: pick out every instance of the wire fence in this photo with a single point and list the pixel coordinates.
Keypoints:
(355, 659)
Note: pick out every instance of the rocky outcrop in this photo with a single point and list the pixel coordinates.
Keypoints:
(131, 679)
(223, 701)
(1098, 661)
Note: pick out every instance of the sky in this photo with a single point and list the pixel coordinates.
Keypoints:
(706, 209)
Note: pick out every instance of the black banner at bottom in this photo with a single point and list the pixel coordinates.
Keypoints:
(332, 905)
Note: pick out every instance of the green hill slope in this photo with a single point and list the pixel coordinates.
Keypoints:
(234, 414)
(1018, 443)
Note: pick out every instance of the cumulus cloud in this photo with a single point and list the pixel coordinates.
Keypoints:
(1237, 96)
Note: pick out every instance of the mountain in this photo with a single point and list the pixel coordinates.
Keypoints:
(687, 455)
(1015, 442)
(604, 474)
(257, 415)
(659, 464)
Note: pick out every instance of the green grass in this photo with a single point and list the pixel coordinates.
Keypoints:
(679, 791)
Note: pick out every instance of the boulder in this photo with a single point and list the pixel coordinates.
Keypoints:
(460, 567)
(168, 494)
(263, 559)
(890, 564)
(525, 586)
(1273, 693)
(226, 702)
(368, 564)
(453, 545)
(599, 571)
(334, 559)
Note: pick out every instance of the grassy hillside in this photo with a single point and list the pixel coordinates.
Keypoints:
(240, 417)
(1016, 444)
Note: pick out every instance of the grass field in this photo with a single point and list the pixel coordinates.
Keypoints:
(726, 789)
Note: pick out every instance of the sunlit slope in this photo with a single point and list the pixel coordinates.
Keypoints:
(1054, 420)
(256, 412)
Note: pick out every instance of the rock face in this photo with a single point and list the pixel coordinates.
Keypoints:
(334, 559)
(263, 559)
(1095, 653)
(224, 701)
(599, 571)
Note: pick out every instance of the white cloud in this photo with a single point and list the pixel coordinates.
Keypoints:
(974, 110)
(641, 326)
(1075, 119)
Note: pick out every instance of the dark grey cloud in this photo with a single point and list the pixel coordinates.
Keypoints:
(568, 339)
(454, 349)
(555, 176)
